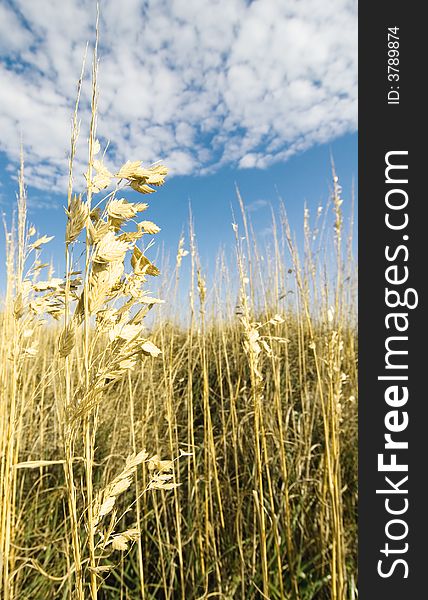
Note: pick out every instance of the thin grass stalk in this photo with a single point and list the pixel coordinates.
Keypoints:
(256, 396)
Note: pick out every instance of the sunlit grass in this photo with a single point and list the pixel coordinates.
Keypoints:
(256, 395)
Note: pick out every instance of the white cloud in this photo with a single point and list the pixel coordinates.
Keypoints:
(13, 36)
(198, 83)
(257, 205)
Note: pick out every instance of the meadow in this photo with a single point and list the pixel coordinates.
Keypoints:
(196, 443)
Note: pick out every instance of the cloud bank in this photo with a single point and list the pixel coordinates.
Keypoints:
(197, 83)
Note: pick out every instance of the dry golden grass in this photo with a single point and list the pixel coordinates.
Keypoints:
(215, 459)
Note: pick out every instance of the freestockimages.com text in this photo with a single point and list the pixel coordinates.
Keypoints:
(400, 299)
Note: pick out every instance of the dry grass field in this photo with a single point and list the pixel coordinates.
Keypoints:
(155, 447)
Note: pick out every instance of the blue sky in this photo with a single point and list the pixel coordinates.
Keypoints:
(304, 178)
(222, 91)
